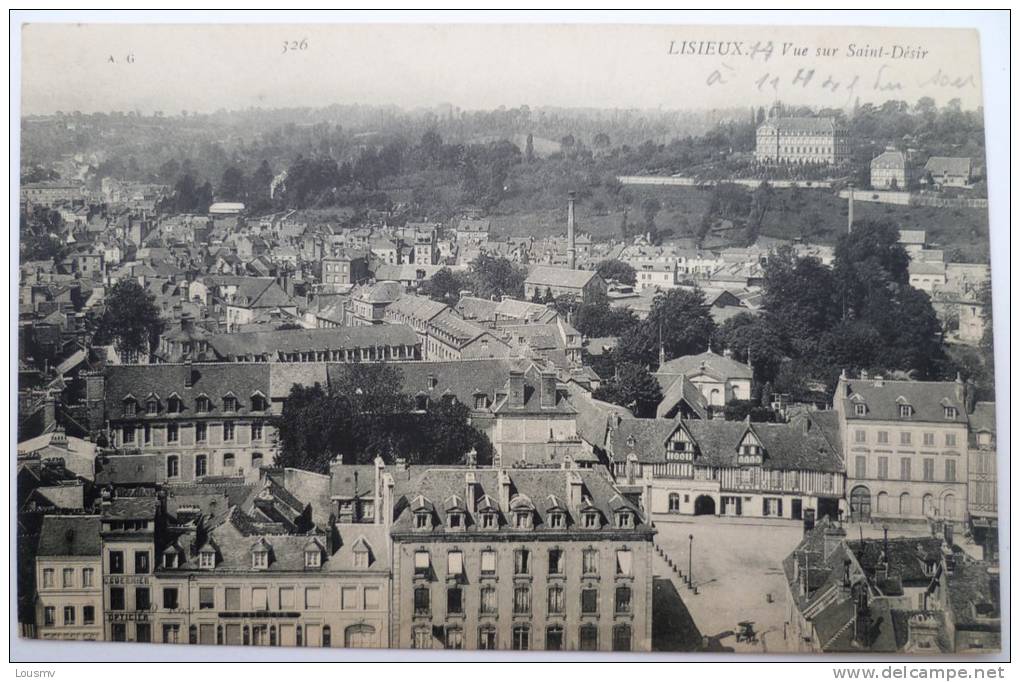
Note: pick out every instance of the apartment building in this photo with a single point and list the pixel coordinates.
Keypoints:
(69, 570)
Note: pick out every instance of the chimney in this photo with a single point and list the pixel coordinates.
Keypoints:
(548, 398)
(809, 520)
(187, 323)
(832, 536)
(879, 381)
(961, 389)
(516, 397)
(385, 513)
(574, 484)
(470, 491)
(504, 490)
(189, 374)
(571, 247)
(380, 467)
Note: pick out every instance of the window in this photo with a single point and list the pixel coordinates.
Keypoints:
(522, 562)
(348, 598)
(589, 601)
(172, 433)
(487, 638)
(143, 633)
(69, 615)
(859, 436)
(488, 600)
(141, 562)
(860, 409)
(589, 638)
(207, 558)
(674, 502)
(229, 403)
(556, 599)
(260, 598)
(591, 519)
(173, 405)
(87, 577)
(422, 521)
(522, 599)
(951, 470)
(152, 406)
(422, 601)
(258, 402)
(555, 562)
(201, 432)
(454, 638)
(361, 558)
(171, 633)
(48, 574)
(116, 598)
(623, 599)
(256, 431)
(232, 598)
(454, 600)
(201, 465)
(129, 434)
(207, 597)
(313, 558)
(950, 413)
(173, 466)
(590, 562)
(49, 615)
(312, 598)
(372, 600)
(905, 469)
(554, 638)
(621, 637)
(88, 615)
(202, 404)
(861, 466)
(286, 597)
(130, 408)
(929, 439)
(929, 469)
(454, 564)
(883, 437)
(170, 598)
(950, 440)
(422, 564)
(142, 602)
(68, 577)
(556, 520)
(228, 437)
(521, 640)
(119, 632)
(147, 434)
(488, 562)
(522, 520)
(624, 563)
(116, 562)
(904, 437)
(422, 638)
(489, 520)
(883, 467)
(906, 410)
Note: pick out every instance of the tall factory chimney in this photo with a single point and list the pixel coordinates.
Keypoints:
(571, 246)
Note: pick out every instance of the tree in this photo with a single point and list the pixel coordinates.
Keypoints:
(798, 295)
(529, 149)
(598, 319)
(130, 321)
(752, 339)
(866, 262)
(633, 387)
(497, 277)
(680, 319)
(232, 185)
(445, 286)
(616, 270)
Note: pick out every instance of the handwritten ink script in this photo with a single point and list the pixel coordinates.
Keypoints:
(295, 45)
(883, 68)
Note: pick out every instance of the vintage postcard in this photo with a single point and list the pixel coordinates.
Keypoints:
(512, 337)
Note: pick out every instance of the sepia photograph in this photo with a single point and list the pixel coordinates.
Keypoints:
(561, 338)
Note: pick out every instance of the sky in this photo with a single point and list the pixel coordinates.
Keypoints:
(206, 67)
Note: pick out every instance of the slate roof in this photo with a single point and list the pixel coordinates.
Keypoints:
(284, 375)
(545, 488)
(787, 446)
(474, 308)
(951, 165)
(907, 557)
(343, 476)
(545, 275)
(69, 536)
(241, 344)
(127, 470)
(463, 331)
(890, 158)
(882, 398)
(416, 307)
(215, 380)
(131, 508)
(970, 593)
(716, 366)
(802, 124)
(594, 417)
(381, 292)
(682, 390)
(68, 497)
(982, 419)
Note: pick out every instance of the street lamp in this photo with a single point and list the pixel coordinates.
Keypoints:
(690, 560)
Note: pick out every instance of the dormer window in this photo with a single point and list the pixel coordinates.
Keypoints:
(950, 412)
(313, 558)
(860, 409)
(522, 520)
(591, 519)
(202, 403)
(481, 401)
(173, 405)
(258, 402)
(207, 558)
(906, 411)
(489, 520)
(152, 406)
(260, 558)
(229, 403)
(556, 520)
(421, 521)
(455, 520)
(130, 407)
(624, 519)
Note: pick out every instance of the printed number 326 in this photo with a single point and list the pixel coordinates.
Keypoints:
(294, 45)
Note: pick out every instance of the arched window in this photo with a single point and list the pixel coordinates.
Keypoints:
(228, 462)
(674, 502)
(621, 637)
(256, 460)
(949, 506)
(201, 465)
(928, 505)
(173, 466)
(359, 636)
(589, 637)
(882, 502)
(905, 505)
